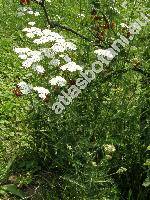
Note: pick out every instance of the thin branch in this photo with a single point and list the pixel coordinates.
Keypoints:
(54, 24)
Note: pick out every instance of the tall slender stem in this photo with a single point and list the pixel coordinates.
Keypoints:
(56, 24)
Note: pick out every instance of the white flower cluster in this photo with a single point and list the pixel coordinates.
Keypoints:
(33, 58)
(62, 45)
(109, 148)
(39, 69)
(32, 32)
(43, 92)
(58, 80)
(24, 87)
(29, 56)
(26, 10)
(46, 36)
(105, 52)
(71, 66)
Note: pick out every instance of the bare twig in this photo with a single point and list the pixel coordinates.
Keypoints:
(54, 24)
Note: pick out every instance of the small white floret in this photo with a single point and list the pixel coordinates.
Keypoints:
(36, 14)
(31, 23)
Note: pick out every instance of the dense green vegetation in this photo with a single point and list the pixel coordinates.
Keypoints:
(98, 148)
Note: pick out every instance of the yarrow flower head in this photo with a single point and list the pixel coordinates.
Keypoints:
(62, 46)
(58, 80)
(33, 30)
(24, 87)
(105, 52)
(48, 36)
(28, 56)
(71, 66)
(43, 92)
(109, 148)
(39, 69)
